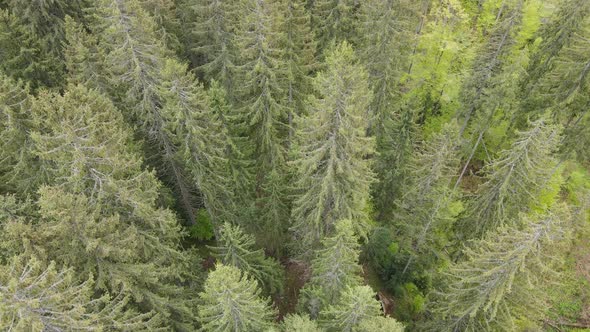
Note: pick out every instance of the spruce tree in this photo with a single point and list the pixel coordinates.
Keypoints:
(298, 323)
(501, 279)
(356, 304)
(36, 297)
(100, 214)
(332, 165)
(199, 137)
(264, 116)
(334, 21)
(239, 165)
(379, 324)
(298, 46)
(85, 59)
(555, 35)
(335, 267)
(19, 172)
(32, 39)
(490, 60)
(563, 87)
(395, 147)
(135, 60)
(230, 301)
(513, 180)
(235, 248)
(210, 39)
(385, 27)
(426, 208)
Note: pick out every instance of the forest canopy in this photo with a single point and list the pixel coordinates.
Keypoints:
(294, 165)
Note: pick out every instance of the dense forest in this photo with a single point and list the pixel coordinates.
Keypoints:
(295, 165)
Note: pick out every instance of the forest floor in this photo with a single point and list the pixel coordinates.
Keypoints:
(296, 275)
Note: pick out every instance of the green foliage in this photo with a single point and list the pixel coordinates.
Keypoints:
(514, 180)
(356, 305)
(380, 323)
(99, 213)
(334, 268)
(297, 323)
(203, 228)
(332, 166)
(411, 302)
(230, 302)
(517, 263)
(34, 297)
(19, 171)
(238, 249)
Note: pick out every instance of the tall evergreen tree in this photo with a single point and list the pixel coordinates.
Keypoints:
(392, 163)
(239, 165)
(335, 267)
(32, 36)
(19, 172)
(200, 138)
(380, 323)
(555, 35)
(298, 46)
(562, 86)
(34, 297)
(334, 21)
(297, 323)
(386, 28)
(356, 304)
(332, 166)
(235, 248)
(490, 60)
(426, 208)
(211, 39)
(502, 277)
(514, 179)
(262, 104)
(100, 215)
(231, 302)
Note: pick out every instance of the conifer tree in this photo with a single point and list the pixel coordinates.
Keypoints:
(168, 26)
(490, 60)
(231, 302)
(134, 60)
(392, 163)
(379, 324)
(35, 297)
(333, 269)
(19, 173)
(514, 179)
(235, 248)
(555, 35)
(563, 87)
(210, 39)
(199, 137)
(32, 39)
(21, 53)
(298, 46)
(237, 156)
(501, 279)
(425, 207)
(100, 214)
(385, 27)
(356, 304)
(262, 104)
(332, 164)
(84, 57)
(298, 323)
(334, 21)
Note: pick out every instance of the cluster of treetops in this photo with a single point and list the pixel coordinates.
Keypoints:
(441, 144)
